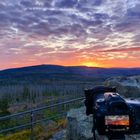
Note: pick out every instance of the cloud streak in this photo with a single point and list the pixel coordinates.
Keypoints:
(135, 49)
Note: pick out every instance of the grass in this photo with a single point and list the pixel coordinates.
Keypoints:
(40, 132)
(22, 135)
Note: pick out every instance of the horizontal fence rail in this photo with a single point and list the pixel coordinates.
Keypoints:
(31, 114)
(41, 108)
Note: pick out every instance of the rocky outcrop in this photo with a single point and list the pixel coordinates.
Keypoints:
(128, 86)
(79, 126)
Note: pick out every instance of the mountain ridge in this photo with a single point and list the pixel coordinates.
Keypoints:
(58, 72)
(79, 66)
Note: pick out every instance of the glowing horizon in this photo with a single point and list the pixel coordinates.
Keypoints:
(94, 33)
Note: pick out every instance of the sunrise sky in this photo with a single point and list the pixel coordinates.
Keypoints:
(101, 33)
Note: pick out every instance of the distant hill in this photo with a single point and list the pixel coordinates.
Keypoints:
(46, 73)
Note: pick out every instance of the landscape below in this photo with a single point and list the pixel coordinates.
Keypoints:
(25, 88)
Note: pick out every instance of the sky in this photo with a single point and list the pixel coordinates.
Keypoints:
(100, 33)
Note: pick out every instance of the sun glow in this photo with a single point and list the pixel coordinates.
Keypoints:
(90, 64)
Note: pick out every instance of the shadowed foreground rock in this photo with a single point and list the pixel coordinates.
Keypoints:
(79, 126)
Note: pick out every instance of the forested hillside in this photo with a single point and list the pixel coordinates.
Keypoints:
(35, 85)
(49, 73)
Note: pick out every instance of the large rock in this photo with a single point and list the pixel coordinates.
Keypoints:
(128, 86)
(79, 126)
